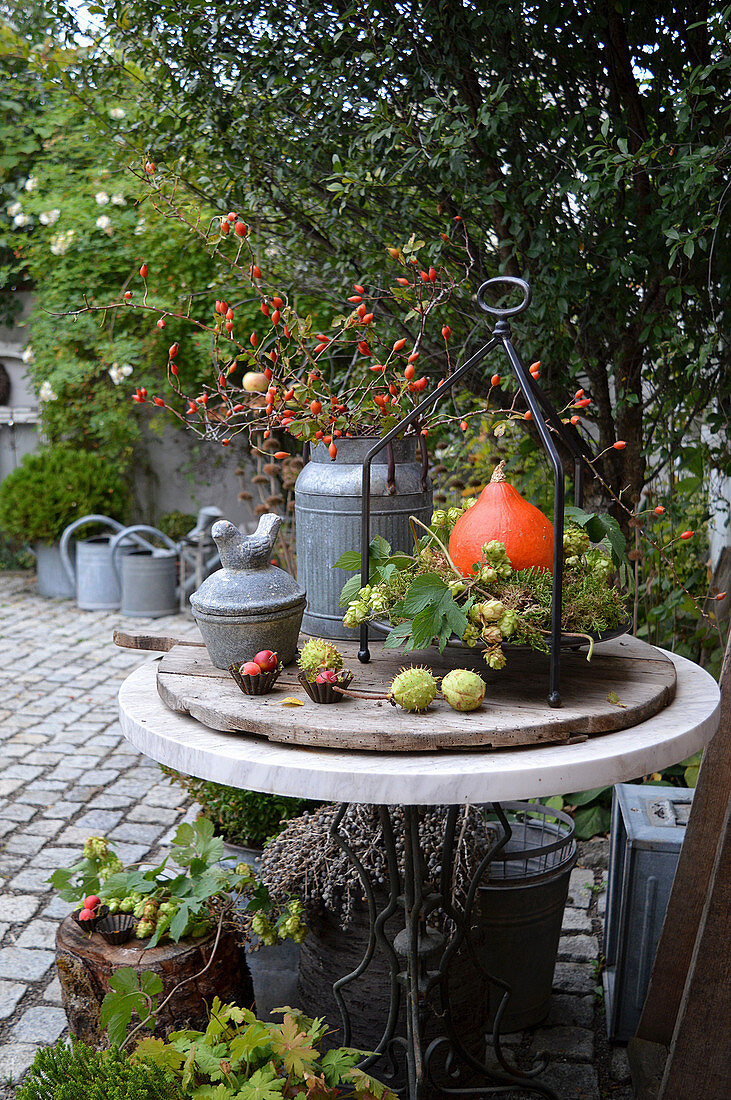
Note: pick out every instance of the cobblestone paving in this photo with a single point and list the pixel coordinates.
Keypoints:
(66, 772)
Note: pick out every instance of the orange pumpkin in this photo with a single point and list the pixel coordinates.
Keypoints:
(501, 513)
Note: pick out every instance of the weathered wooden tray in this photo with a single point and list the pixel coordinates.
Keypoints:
(626, 682)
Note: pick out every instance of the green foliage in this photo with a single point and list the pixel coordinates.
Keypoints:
(241, 1058)
(246, 818)
(590, 158)
(132, 993)
(179, 903)
(55, 486)
(176, 524)
(425, 599)
(70, 1073)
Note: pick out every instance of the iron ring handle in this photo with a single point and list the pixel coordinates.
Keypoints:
(509, 311)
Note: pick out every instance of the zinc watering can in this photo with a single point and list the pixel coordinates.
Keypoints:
(92, 576)
(147, 576)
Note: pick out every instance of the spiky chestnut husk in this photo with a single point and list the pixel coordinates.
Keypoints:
(463, 689)
(317, 654)
(414, 689)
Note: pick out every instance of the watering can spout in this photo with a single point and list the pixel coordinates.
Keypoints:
(239, 551)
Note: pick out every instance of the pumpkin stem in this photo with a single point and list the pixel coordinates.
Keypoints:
(498, 474)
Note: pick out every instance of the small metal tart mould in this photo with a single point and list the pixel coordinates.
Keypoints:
(255, 685)
(116, 928)
(325, 693)
(90, 925)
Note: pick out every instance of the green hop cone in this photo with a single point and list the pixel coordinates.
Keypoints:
(144, 929)
(456, 587)
(508, 623)
(96, 847)
(439, 518)
(575, 540)
(126, 905)
(495, 658)
(453, 515)
(113, 904)
(495, 554)
(467, 503)
(488, 574)
(471, 635)
(490, 611)
(491, 635)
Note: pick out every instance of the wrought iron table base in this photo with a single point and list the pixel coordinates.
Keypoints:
(419, 961)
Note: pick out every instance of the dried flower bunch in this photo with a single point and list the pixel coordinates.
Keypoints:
(306, 861)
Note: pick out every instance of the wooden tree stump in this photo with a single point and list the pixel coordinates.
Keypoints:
(86, 962)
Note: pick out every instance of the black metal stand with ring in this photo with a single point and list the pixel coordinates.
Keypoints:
(547, 422)
(420, 958)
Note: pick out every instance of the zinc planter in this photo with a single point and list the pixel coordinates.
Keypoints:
(94, 582)
(274, 970)
(327, 514)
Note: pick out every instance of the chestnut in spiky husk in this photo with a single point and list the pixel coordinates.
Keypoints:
(463, 689)
(414, 689)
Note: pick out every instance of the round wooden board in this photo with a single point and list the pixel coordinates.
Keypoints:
(626, 682)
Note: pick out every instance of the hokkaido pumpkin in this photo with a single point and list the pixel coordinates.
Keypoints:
(501, 513)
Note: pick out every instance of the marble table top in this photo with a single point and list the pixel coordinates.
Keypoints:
(429, 778)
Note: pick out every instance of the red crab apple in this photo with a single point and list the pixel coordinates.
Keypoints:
(328, 676)
(250, 668)
(266, 660)
(86, 914)
(92, 901)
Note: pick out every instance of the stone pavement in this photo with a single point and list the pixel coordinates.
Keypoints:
(66, 772)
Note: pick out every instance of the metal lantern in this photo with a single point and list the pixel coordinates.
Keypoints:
(542, 411)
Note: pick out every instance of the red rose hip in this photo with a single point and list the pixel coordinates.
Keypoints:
(250, 668)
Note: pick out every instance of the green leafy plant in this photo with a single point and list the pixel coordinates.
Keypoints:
(246, 818)
(241, 1058)
(55, 486)
(168, 903)
(64, 1072)
(176, 524)
(426, 599)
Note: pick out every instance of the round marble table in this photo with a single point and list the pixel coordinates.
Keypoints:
(450, 778)
(413, 778)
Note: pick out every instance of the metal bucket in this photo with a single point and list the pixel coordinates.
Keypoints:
(148, 577)
(93, 577)
(327, 515)
(53, 581)
(521, 912)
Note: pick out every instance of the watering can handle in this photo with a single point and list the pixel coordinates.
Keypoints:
(131, 532)
(66, 537)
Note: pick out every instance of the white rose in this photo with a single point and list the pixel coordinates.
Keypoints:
(46, 393)
(31, 183)
(104, 222)
(102, 198)
(140, 227)
(28, 355)
(116, 113)
(14, 209)
(21, 219)
(126, 370)
(119, 199)
(49, 217)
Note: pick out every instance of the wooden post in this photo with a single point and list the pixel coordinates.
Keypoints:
(684, 1008)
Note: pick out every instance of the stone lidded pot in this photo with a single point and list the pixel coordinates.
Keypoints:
(248, 605)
